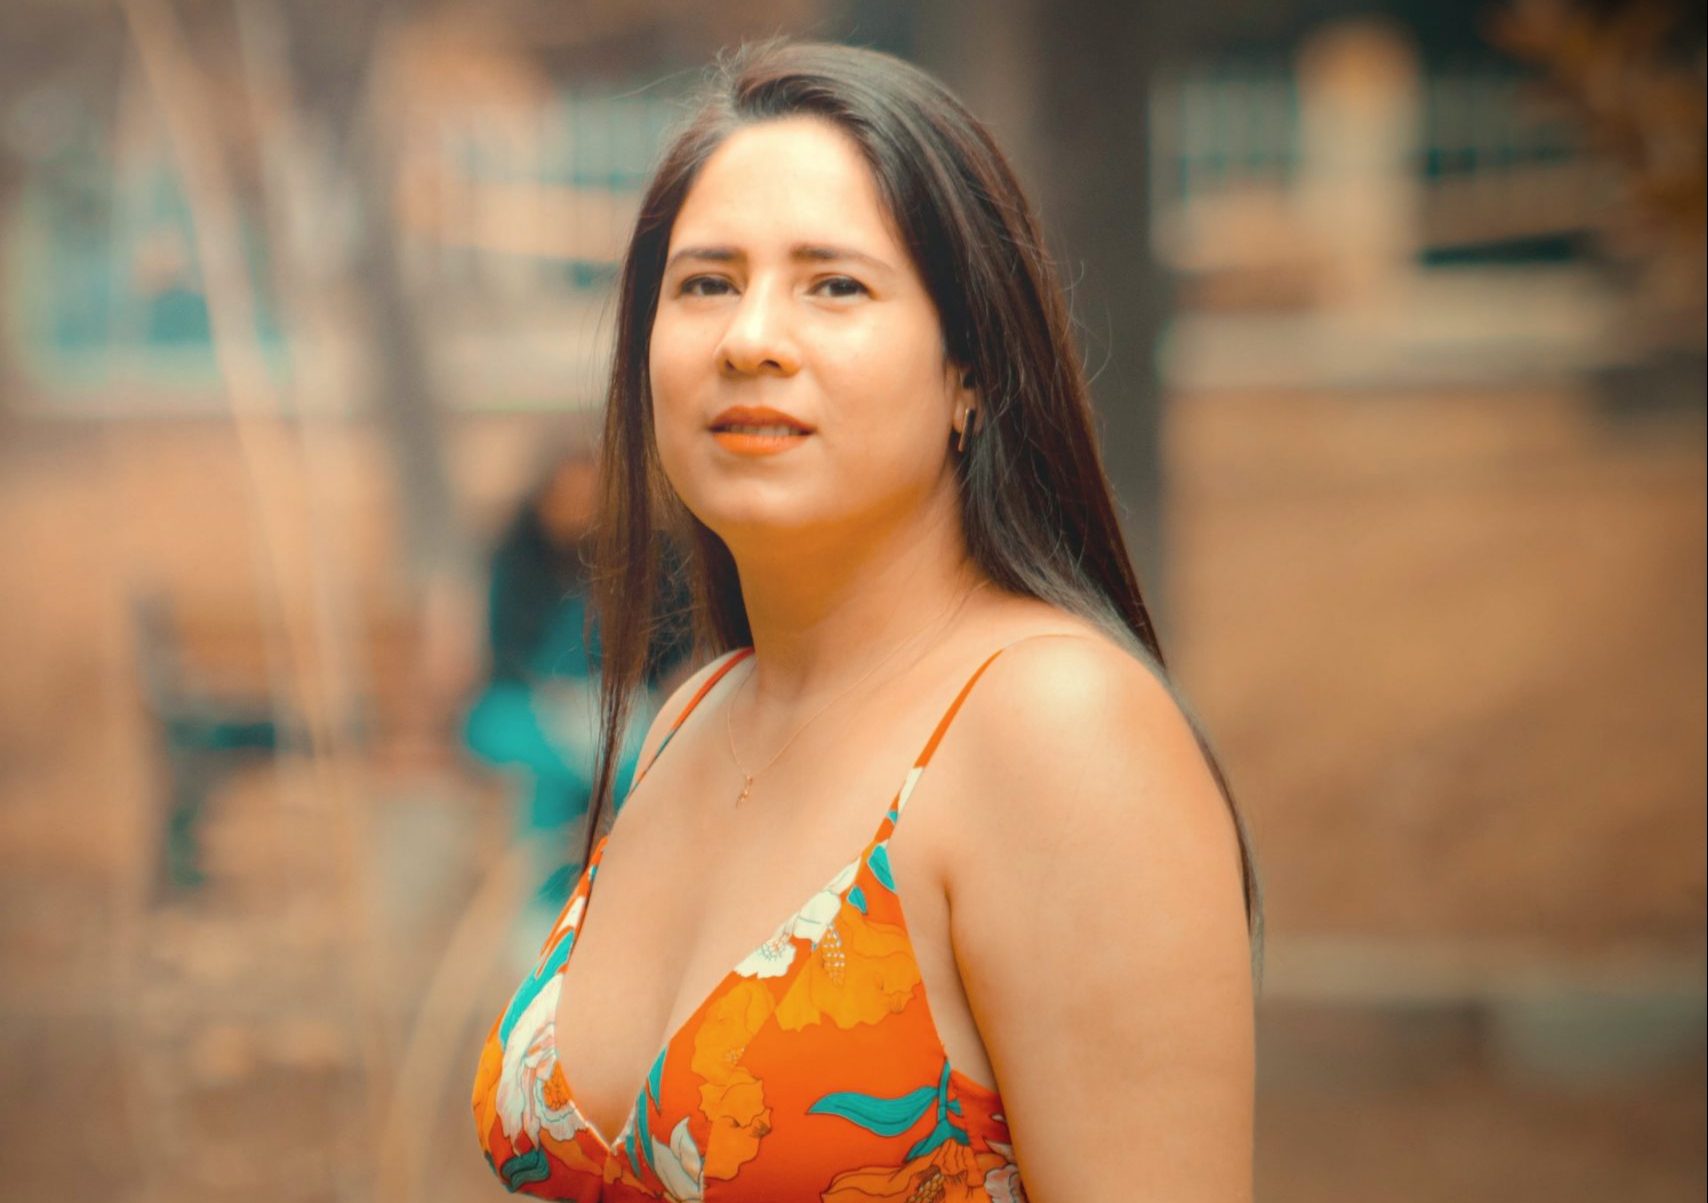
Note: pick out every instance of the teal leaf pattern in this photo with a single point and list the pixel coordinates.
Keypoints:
(522, 1171)
(944, 1131)
(886, 1117)
(880, 862)
(857, 897)
(640, 1133)
(532, 985)
(656, 1077)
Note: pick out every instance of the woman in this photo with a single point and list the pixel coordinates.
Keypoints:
(843, 373)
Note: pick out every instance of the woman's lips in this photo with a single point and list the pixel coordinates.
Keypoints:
(768, 440)
(758, 430)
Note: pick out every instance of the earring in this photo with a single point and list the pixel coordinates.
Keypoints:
(966, 425)
(966, 415)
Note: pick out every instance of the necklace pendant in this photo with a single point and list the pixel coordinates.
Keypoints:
(746, 788)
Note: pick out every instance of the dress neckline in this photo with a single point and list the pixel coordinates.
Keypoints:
(711, 996)
(584, 893)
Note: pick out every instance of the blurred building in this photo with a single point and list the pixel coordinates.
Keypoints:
(1429, 409)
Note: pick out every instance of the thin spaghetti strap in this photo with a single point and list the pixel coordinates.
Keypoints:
(955, 706)
(942, 728)
(954, 709)
(730, 661)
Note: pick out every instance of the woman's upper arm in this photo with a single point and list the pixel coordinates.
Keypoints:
(1099, 927)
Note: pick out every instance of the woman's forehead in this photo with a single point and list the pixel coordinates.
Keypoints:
(795, 181)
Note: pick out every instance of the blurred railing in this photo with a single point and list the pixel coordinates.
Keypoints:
(1494, 173)
(1314, 182)
(1499, 168)
(510, 222)
(528, 201)
(1221, 125)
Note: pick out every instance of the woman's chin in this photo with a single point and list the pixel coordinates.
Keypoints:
(769, 528)
(757, 527)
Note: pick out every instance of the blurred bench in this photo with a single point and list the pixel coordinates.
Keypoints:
(209, 695)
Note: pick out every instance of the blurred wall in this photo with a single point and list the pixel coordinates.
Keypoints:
(1393, 350)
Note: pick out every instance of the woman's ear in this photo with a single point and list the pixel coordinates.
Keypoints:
(963, 384)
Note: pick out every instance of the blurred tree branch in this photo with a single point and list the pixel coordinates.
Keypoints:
(180, 94)
(1632, 72)
(334, 48)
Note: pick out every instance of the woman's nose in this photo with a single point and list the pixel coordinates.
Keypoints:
(758, 339)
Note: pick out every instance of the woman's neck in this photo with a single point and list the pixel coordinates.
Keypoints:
(821, 617)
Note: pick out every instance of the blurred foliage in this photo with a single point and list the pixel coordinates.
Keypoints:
(1632, 73)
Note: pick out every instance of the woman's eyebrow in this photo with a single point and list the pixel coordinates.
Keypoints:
(710, 254)
(801, 252)
(819, 253)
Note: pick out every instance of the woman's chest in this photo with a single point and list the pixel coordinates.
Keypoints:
(673, 908)
(811, 1070)
(739, 1009)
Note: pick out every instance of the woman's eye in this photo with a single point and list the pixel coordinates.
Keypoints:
(704, 286)
(840, 286)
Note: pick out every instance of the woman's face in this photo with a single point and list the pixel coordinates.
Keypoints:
(799, 380)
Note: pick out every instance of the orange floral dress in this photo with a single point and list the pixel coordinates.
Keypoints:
(812, 1071)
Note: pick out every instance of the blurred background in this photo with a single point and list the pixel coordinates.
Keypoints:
(1395, 311)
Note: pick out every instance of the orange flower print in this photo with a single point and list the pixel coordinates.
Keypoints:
(949, 1173)
(486, 1084)
(730, 1096)
(860, 971)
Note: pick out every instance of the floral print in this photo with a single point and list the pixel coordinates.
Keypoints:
(860, 972)
(950, 1173)
(1003, 1183)
(680, 1166)
(813, 1071)
(731, 1098)
(531, 1094)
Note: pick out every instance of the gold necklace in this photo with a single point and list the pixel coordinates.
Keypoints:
(748, 777)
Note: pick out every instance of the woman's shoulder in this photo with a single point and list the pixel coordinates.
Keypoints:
(681, 700)
(1064, 696)
(1063, 662)
(1078, 755)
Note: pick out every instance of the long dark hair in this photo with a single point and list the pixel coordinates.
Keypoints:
(1036, 508)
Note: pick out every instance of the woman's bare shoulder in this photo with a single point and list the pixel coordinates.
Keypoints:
(1066, 702)
(1050, 658)
(676, 703)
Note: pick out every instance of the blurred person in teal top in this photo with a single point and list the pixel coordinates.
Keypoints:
(536, 715)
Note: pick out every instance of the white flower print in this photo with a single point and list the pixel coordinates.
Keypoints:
(679, 1166)
(523, 1103)
(773, 958)
(1003, 1183)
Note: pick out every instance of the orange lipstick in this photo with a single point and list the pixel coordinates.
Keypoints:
(758, 430)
